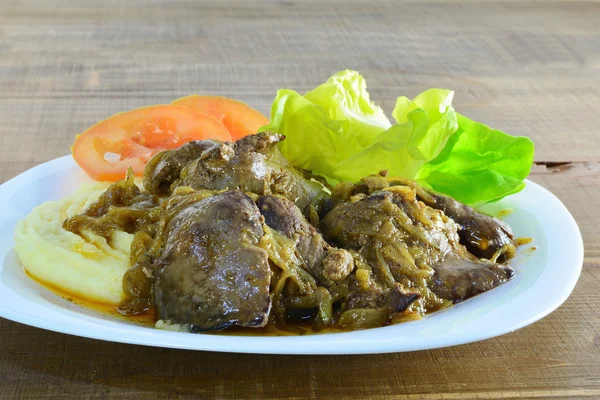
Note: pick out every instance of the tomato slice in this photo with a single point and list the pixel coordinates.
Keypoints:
(239, 118)
(129, 139)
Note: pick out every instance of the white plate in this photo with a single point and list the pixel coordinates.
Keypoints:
(544, 279)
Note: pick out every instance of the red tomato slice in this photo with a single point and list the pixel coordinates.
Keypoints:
(239, 118)
(129, 139)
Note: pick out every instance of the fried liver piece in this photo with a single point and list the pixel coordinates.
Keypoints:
(324, 262)
(251, 164)
(212, 274)
(481, 234)
(407, 241)
(164, 168)
(457, 279)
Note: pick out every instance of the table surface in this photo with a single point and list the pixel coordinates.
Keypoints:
(526, 68)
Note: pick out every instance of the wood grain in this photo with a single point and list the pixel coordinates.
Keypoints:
(529, 68)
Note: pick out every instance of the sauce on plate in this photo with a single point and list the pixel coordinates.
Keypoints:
(148, 319)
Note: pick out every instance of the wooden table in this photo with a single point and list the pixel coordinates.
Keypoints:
(526, 68)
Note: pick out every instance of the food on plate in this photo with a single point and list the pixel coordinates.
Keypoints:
(327, 218)
(218, 245)
(337, 132)
(133, 137)
(481, 234)
(325, 263)
(86, 265)
(414, 245)
(211, 272)
(239, 118)
(251, 164)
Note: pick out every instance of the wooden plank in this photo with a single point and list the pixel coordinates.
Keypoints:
(530, 68)
(527, 68)
(577, 185)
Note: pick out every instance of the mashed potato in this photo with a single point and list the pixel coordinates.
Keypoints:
(87, 267)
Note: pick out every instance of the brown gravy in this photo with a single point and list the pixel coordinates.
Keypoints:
(149, 319)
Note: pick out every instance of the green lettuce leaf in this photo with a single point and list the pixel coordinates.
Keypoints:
(479, 164)
(424, 126)
(337, 132)
(344, 98)
(327, 125)
(313, 141)
(437, 106)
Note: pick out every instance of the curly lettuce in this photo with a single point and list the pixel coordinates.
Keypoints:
(337, 132)
(479, 164)
(345, 99)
